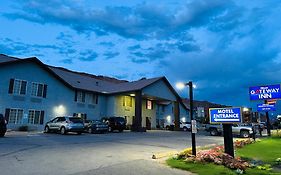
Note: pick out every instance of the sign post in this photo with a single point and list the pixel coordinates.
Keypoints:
(226, 117)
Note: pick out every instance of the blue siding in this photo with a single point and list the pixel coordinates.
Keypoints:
(59, 97)
(159, 89)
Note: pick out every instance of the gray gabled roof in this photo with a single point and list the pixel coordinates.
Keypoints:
(88, 82)
(5, 58)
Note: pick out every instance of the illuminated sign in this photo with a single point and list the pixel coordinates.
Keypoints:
(225, 115)
(266, 107)
(265, 92)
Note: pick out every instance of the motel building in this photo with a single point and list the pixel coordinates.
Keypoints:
(32, 93)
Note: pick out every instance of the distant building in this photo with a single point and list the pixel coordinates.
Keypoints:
(201, 109)
(32, 93)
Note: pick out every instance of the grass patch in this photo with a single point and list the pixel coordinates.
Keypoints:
(212, 169)
(268, 150)
(201, 169)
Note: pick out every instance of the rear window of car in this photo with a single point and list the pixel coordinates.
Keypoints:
(76, 120)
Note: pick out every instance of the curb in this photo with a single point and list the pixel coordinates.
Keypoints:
(165, 154)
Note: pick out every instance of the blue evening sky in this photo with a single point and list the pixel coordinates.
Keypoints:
(223, 46)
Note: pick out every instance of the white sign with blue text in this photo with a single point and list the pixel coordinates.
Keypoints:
(225, 115)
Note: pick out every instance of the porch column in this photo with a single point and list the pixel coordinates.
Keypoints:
(137, 125)
(177, 115)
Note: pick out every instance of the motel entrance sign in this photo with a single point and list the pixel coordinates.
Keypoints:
(226, 117)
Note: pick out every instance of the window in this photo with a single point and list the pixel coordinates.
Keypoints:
(38, 89)
(127, 101)
(94, 98)
(17, 86)
(81, 115)
(15, 116)
(149, 104)
(35, 117)
(80, 96)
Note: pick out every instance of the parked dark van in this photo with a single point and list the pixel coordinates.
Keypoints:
(115, 123)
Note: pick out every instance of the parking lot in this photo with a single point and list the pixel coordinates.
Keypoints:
(112, 153)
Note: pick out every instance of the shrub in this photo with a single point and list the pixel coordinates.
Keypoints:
(23, 128)
(185, 153)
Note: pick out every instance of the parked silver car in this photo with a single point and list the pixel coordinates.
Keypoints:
(237, 129)
(64, 125)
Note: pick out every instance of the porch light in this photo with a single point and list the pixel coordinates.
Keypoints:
(245, 109)
(59, 110)
(168, 118)
(132, 95)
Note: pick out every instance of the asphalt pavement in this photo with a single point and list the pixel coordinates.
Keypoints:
(24, 153)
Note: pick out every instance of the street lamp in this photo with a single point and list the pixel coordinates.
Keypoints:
(191, 86)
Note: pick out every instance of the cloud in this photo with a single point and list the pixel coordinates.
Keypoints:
(145, 20)
(134, 47)
(186, 47)
(88, 56)
(109, 44)
(139, 60)
(67, 61)
(109, 55)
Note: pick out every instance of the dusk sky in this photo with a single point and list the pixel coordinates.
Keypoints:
(223, 46)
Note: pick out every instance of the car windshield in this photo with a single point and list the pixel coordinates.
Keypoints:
(76, 120)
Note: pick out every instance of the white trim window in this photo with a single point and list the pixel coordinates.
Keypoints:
(15, 116)
(19, 87)
(81, 97)
(38, 89)
(34, 116)
(94, 98)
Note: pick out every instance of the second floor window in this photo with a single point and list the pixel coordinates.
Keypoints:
(38, 89)
(80, 96)
(149, 104)
(94, 98)
(17, 86)
(127, 101)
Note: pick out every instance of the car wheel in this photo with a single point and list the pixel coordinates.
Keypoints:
(62, 130)
(213, 132)
(47, 129)
(185, 129)
(244, 134)
(90, 131)
(109, 129)
(120, 130)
